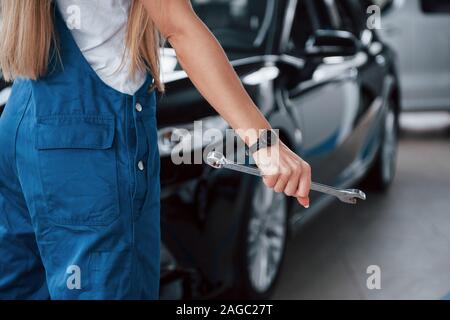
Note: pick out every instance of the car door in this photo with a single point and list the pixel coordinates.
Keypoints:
(324, 98)
(419, 31)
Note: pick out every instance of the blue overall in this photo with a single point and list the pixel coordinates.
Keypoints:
(79, 186)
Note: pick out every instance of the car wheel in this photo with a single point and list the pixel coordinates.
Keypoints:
(382, 174)
(263, 242)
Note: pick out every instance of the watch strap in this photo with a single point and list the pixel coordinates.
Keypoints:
(268, 141)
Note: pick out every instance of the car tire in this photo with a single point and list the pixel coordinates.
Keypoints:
(262, 242)
(382, 173)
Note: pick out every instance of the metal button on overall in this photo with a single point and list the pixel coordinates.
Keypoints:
(77, 220)
(141, 166)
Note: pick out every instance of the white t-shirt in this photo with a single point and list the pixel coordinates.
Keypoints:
(99, 29)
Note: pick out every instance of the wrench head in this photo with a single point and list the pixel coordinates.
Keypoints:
(351, 196)
(215, 159)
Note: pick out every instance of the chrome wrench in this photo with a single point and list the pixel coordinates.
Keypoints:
(218, 161)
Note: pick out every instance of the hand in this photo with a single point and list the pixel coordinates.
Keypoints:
(285, 172)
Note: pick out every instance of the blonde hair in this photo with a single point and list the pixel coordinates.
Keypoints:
(28, 32)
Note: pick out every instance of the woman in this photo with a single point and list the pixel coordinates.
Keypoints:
(79, 167)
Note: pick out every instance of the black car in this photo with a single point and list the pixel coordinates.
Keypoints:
(5, 91)
(326, 82)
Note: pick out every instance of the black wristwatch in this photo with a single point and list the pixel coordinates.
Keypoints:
(266, 139)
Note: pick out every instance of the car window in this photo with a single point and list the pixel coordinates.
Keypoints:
(237, 24)
(328, 14)
(435, 6)
(349, 12)
(336, 15)
(319, 14)
(302, 29)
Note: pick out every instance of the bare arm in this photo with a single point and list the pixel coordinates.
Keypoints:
(206, 64)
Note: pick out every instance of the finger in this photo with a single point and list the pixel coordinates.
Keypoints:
(303, 202)
(293, 182)
(305, 182)
(282, 181)
(270, 181)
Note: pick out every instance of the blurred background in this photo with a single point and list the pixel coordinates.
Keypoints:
(359, 89)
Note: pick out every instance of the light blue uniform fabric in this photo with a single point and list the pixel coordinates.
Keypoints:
(79, 218)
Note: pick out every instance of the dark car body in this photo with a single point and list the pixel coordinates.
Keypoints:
(329, 107)
(5, 91)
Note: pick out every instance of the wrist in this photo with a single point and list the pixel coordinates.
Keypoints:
(266, 139)
(251, 136)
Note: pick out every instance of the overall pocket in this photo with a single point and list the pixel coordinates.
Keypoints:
(78, 169)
